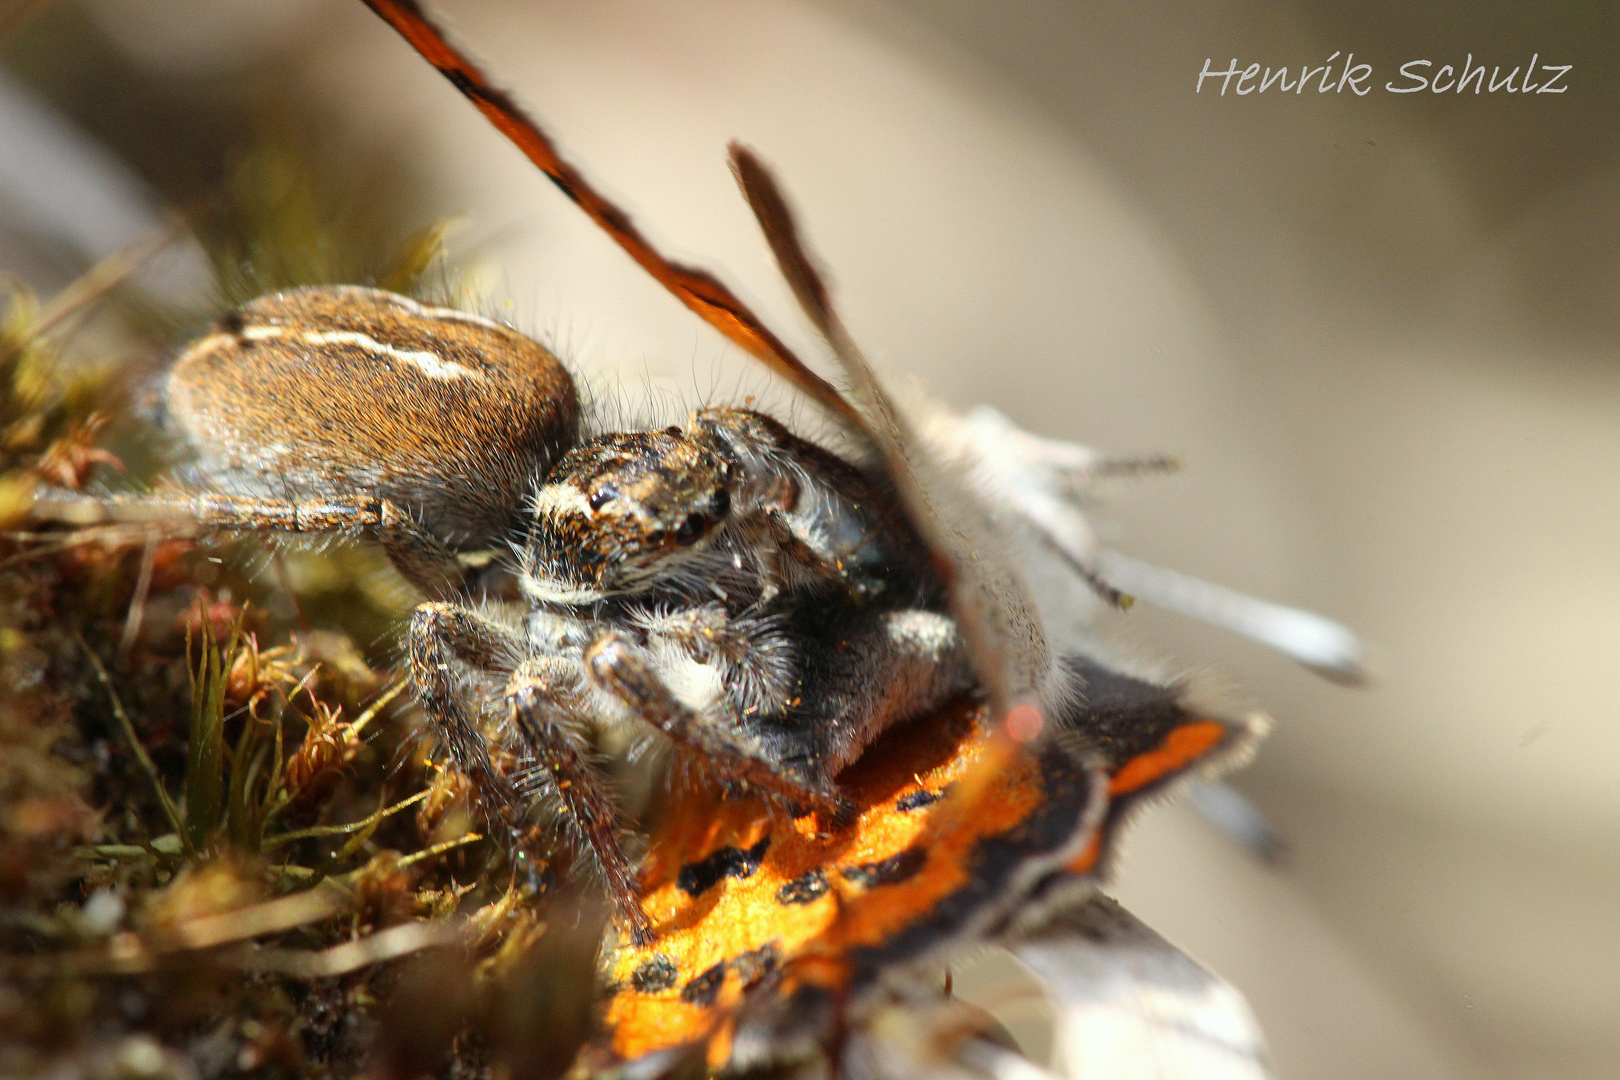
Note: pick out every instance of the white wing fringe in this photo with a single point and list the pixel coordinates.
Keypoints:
(1131, 1006)
(1126, 1004)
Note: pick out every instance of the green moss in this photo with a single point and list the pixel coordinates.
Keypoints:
(208, 778)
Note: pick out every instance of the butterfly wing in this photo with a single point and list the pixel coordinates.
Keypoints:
(988, 596)
(699, 290)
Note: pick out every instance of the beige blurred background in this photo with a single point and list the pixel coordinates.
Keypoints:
(1381, 330)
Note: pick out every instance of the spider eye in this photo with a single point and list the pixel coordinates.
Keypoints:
(690, 529)
(719, 504)
(602, 497)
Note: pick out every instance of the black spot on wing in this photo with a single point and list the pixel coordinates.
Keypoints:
(705, 988)
(890, 871)
(1068, 784)
(655, 975)
(699, 877)
(804, 889)
(918, 799)
(755, 965)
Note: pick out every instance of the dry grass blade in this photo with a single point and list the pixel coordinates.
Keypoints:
(270, 917)
(137, 604)
(105, 276)
(697, 289)
(438, 849)
(384, 945)
(376, 707)
(132, 953)
(271, 842)
(170, 811)
(51, 544)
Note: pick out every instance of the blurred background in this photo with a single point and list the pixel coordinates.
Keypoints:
(1380, 329)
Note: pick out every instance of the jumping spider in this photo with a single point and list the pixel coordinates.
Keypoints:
(758, 599)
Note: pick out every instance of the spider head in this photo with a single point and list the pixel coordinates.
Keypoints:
(624, 513)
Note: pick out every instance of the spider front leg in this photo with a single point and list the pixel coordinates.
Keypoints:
(418, 555)
(629, 675)
(535, 699)
(442, 635)
(818, 565)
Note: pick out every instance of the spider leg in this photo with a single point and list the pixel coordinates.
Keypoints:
(628, 674)
(419, 556)
(440, 636)
(534, 698)
(872, 669)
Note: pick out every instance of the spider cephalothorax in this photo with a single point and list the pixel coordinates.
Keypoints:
(620, 511)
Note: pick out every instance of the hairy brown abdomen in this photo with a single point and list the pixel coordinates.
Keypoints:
(321, 392)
